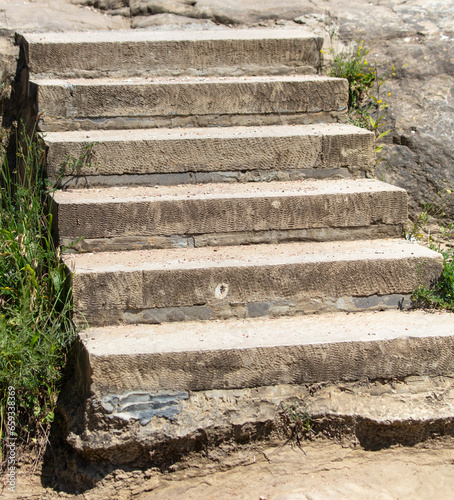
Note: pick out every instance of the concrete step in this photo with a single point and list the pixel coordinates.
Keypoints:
(247, 281)
(130, 218)
(229, 154)
(148, 390)
(144, 53)
(171, 102)
(298, 350)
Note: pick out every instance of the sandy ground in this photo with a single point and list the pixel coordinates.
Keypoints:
(327, 471)
(323, 470)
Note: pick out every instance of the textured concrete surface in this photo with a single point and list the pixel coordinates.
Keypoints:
(71, 102)
(227, 208)
(226, 281)
(232, 149)
(132, 53)
(259, 352)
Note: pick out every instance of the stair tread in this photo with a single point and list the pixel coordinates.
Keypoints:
(279, 189)
(265, 332)
(255, 352)
(88, 136)
(247, 256)
(200, 101)
(175, 80)
(137, 52)
(210, 154)
(102, 36)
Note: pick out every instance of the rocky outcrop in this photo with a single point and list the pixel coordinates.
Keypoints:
(417, 38)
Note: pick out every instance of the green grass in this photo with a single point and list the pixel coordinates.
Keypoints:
(441, 295)
(35, 305)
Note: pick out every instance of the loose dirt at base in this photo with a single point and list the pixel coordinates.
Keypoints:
(321, 470)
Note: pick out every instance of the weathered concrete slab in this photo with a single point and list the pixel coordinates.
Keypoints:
(229, 149)
(196, 52)
(143, 103)
(149, 428)
(259, 352)
(245, 281)
(136, 215)
(379, 378)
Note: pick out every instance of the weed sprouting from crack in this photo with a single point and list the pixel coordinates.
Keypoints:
(295, 424)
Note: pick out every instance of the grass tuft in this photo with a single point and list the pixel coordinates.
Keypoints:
(441, 295)
(426, 229)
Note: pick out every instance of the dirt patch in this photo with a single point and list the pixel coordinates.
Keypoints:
(320, 470)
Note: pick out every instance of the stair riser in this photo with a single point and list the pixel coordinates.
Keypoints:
(175, 57)
(187, 218)
(101, 181)
(260, 309)
(117, 244)
(226, 369)
(304, 154)
(247, 290)
(365, 415)
(50, 124)
(164, 104)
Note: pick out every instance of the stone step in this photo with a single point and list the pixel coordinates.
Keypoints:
(247, 281)
(228, 154)
(242, 353)
(148, 390)
(131, 218)
(144, 53)
(172, 102)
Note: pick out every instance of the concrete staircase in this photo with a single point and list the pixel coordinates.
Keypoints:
(220, 196)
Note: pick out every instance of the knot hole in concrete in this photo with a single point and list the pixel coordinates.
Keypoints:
(221, 291)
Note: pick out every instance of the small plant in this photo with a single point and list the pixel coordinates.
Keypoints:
(367, 101)
(441, 295)
(35, 306)
(351, 64)
(295, 424)
(74, 166)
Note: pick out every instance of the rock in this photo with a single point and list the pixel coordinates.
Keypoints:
(124, 11)
(103, 4)
(225, 12)
(417, 38)
(168, 20)
(8, 61)
(180, 7)
(54, 15)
